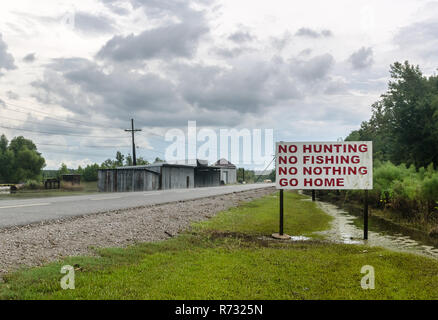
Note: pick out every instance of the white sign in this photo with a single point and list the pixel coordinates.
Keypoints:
(324, 165)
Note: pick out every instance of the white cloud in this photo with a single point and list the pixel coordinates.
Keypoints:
(6, 59)
(362, 58)
(303, 69)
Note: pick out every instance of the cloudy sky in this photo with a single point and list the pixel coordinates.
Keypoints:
(73, 73)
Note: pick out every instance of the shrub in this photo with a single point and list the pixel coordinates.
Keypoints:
(412, 193)
(71, 187)
(430, 193)
(434, 233)
(33, 184)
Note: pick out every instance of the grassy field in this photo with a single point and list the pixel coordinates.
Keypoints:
(232, 257)
(85, 188)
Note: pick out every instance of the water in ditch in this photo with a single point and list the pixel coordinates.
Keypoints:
(347, 227)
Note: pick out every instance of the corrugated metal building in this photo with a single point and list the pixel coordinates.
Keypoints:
(158, 176)
(228, 171)
(139, 178)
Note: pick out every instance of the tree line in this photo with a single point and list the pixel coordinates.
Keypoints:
(90, 172)
(404, 130)
(404, 121)
(20, 162)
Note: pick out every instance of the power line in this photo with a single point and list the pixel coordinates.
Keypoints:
(61, 126)
(53, 119)
(39, 123)
(50, 114)
(84, 153)
(70, 153)
(60, 134)
(69, 121)
(76, 146)
(67, 134)
(266, 168)
(62, 120)
(94, 146)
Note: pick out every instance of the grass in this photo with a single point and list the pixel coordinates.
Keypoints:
(260, 217)
(227, 258)
(87, 188)
(412, 223)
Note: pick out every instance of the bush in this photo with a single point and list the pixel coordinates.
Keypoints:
(430, 187)
(33, 185)
(65, 185)
(411, 192)
(434, 233)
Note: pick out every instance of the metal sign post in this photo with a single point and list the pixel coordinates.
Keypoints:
(345, 165)
(281, 234)
(365, 217)
(281, 212)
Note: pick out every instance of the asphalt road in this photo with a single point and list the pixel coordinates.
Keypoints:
(23, 212)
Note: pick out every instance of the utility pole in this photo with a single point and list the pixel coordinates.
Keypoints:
(133, 131)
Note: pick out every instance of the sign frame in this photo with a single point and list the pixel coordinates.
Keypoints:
(361, 158)
(346, 165)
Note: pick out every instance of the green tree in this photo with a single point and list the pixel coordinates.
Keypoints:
(128, 160)
(142, 162)
(3, 143)
(19, 160)
(62, 170)
(6, 159)
(245, 175)
(108, 164)
(272, 175)
(91, 172)
(119, 159)
(404, 122)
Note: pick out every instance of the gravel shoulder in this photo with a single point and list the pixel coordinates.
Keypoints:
(39, 244)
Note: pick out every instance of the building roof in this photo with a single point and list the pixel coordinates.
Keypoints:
(156, 165)
(191, 162)
(224, 163)
(179, 164)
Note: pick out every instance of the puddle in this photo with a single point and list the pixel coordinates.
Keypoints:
(299, 238)
(347, 228)
(292, 238)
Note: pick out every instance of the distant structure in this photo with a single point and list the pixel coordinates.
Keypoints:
(228, 171)
(52, 183)
(72, 178)
(158, 176)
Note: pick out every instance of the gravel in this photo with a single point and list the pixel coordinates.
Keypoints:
(38, 244)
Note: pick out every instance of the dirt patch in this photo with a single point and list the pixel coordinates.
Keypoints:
(39, 244)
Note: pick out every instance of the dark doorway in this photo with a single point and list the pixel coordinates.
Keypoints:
(188, 182)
